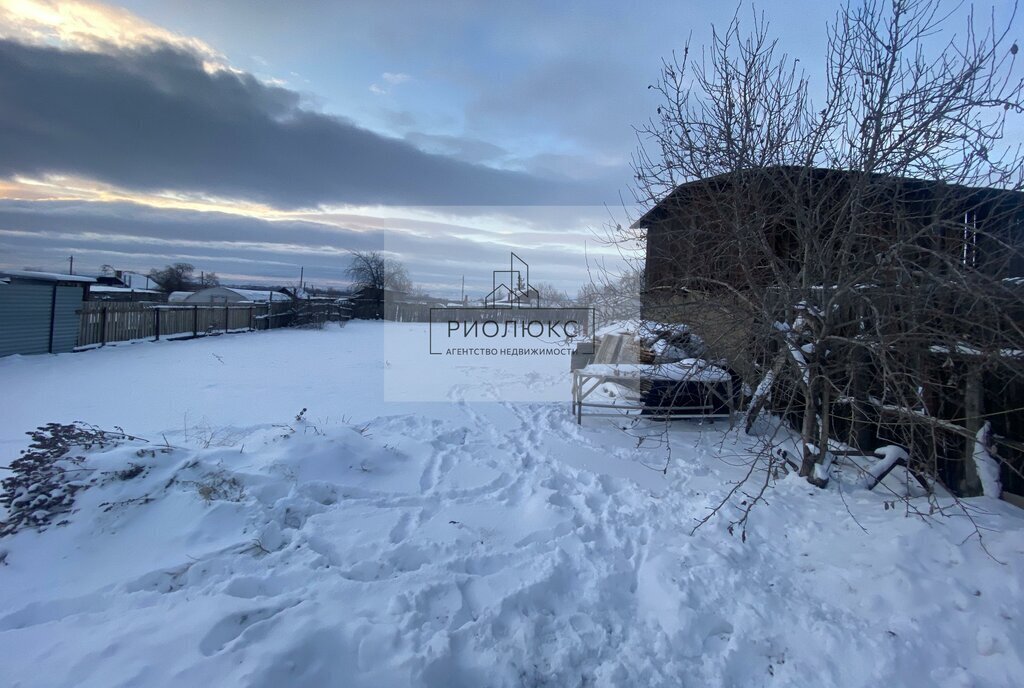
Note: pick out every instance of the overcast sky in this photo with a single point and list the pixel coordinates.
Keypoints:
(252, 138)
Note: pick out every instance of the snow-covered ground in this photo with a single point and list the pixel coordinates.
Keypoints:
(435, 521)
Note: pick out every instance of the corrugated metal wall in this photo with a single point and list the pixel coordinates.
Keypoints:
(66, 323)
(25, 318)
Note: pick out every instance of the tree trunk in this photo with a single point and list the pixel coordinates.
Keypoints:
(971, 484)
(825, 412)
(807, 434)
(764, 391)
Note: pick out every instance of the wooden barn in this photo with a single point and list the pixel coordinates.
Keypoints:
(736, 254)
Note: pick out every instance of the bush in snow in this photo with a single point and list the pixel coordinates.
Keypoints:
(219, 486)
(47, 475)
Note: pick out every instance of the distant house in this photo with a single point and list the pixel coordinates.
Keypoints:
(372, 303)
(296, 293)
(109, 288)
(103, 292)
(369, 303)
(226, 295)
(39, 311)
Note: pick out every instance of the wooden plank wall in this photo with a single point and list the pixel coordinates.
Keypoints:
(104, 322)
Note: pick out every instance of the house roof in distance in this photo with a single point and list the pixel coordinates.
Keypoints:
(674, 199)
(46, 276)
(108, 289)
(201, 295)
(260, 295)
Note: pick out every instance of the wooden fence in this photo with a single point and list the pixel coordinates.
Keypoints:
(104, 322)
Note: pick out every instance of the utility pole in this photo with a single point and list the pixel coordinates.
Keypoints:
(462, 296)
(71, 265)
(302, 271)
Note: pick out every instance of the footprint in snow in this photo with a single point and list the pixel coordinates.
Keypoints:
(231, 627)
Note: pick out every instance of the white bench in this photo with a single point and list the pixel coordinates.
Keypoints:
(716, 384)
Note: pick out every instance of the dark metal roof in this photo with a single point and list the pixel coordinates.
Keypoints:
(674, 198)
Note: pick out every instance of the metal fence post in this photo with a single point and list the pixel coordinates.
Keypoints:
(103, 326)
(156, 314)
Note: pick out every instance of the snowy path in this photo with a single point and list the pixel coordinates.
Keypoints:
(470, 542)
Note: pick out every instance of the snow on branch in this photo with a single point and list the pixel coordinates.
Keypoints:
(986, 465)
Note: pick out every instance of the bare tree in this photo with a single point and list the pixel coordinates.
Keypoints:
(614, 297)
(175, 277)
(837, 250)
(371, 269)
(372, 275)
(551, 296)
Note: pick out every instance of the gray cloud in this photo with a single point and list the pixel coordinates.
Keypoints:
(562, 96)
(155, 120)
(130, 236)
(468, 149)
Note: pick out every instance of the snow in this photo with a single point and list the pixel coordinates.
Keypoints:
(688, 369)
(889, 456)
(620, 327)
(640, 329)
(764, 387)
(822, 470)
(107, 289)
(260, 295)
(966, 350)
(212, 294)
(987, 467)
(473, 536)
(46, 276)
